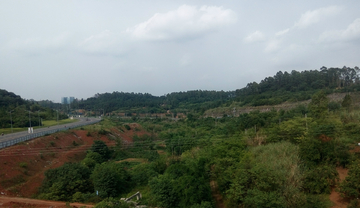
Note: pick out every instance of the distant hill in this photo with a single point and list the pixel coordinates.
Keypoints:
(8, 99)
(299, 86)
(196, 100)
(20, 108)
(282, 87)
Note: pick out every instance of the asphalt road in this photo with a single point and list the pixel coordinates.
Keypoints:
(81, 121)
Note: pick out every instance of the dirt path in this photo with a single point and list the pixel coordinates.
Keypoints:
(216, 195)
(24, 202)
(335, 197)
(140, 160)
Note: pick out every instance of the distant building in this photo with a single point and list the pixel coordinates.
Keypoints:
(64, 100)
(67, 100)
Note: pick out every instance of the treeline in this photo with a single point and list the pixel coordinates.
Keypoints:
(297, 86)
(20, 112)
(294, 86)
(196, 100)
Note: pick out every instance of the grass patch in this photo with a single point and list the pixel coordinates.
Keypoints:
(23, 165)
(46, 123)
(54, 122)
(13, 181)
(133, 160)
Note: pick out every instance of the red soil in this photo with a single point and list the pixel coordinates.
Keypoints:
(32, 203)
(22, 166)
(335, 197)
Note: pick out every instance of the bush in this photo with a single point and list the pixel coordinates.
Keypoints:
(101, 148)
(350, 187)
(110, 179)
(112, 203)
(102, 132)
(127, 127)
(63, 182)
(320, 179)
(23, 165)
(141, 174)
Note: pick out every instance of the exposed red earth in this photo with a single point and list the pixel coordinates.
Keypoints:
(22, 166)
(335, 197)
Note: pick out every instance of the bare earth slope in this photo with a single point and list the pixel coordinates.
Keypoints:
(22, 166)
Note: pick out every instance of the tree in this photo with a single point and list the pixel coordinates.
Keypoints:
(61, 183)
(101, 148)
(110, 179)
(163, 191)
(112, 203)
(350, 187)
(347, 102)
(319, 105)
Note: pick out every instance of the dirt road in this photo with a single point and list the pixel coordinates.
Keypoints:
(25, 202)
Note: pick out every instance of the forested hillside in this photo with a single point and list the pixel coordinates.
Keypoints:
(282, 87)
(14, 108)
(298, 86)
(271, 159)
(196, 100)
(277, 158)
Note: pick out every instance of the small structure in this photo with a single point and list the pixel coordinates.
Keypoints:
(137, 195)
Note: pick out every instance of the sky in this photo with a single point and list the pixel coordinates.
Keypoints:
(51, 49)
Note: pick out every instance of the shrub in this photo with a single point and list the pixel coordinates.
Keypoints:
(102, 132)
(350, 187)
(110, 179)
(23, 165)
(63, 182)
(101, 148)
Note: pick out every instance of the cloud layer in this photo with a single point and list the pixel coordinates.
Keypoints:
(160, 46)
(185, 22)
(315, 16)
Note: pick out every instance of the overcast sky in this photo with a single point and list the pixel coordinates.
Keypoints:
(52, 49)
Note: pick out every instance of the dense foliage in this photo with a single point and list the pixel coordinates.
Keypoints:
(129, 103)
(297, 86)
(284, 158)
(284, 86)
(21, 112)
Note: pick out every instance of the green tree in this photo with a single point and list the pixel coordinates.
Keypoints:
(268, 177)
(347, 102)
(163, 191)
(110, 179)
(350, 187)
(101, 148)
(319, 105)
(112, 203)
(61, 183)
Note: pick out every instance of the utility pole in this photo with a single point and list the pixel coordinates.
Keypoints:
(11, 121)
(57, 117)
(39, 117)
(29, 120)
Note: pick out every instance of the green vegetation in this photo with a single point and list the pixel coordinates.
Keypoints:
(60, 122)
(270, 159)
(16, 114)
(277, 158)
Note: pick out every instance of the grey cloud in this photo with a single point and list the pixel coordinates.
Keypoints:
(186, 21)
